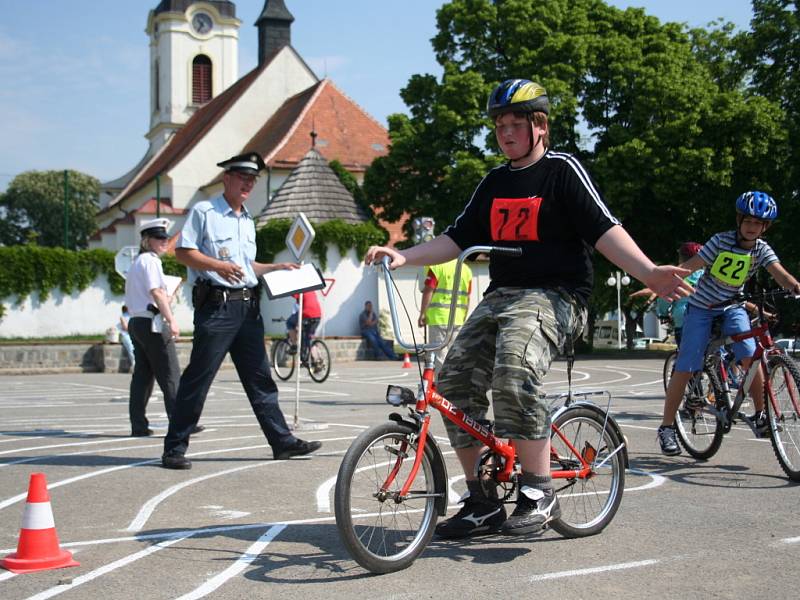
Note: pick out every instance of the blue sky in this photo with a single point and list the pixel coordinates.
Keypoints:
(75, 75)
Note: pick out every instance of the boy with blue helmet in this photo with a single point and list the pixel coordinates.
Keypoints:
(730, 259)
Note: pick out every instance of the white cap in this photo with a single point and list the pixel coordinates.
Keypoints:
(156, 227)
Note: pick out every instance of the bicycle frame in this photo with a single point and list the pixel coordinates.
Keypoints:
(765, 348)
(427, 397)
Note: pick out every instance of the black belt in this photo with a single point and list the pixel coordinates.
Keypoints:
(220, 294)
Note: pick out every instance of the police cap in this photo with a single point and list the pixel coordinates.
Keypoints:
(249, 162)
(156, 228)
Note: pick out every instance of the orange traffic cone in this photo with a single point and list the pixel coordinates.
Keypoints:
(38, 548)
(406, 361)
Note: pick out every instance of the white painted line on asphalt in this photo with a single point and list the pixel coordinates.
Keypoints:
(104, 570)
(71, 444)
(245, 559)
(592, 570)
(654, 382)
(792, 540)
(149, 507)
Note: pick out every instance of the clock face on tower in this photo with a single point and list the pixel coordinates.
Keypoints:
(202, 23)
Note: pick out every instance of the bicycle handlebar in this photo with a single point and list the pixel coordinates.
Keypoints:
(757, 297)
(390, 292)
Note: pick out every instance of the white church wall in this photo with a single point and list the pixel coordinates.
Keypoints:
(284, 77)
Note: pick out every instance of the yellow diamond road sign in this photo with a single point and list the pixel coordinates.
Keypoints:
(300, 236)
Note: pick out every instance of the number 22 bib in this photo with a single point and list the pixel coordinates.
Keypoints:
(731, 268)
(515, 219)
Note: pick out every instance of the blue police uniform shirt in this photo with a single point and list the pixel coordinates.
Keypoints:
(215, 230)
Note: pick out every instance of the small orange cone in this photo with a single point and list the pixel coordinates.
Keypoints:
(406, 361)
(38, 548)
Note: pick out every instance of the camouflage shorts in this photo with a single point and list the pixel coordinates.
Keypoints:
(506, 347)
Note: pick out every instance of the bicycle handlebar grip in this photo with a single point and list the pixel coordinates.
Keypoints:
(507, 251)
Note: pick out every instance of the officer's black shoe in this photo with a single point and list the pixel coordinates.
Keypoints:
(175, 460)
(298, 448)
(197, 429)
(142, 433)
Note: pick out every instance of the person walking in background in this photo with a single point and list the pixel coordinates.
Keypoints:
(124, 336)
(368, 323)
(218, 245)
(152, 326)
(434, 311)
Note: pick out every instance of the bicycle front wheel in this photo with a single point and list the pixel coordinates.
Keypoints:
(282, 360)
(784, 415)
(319, 361)
(669, 367)
(382, 531)
(588, 503)
(699, 430)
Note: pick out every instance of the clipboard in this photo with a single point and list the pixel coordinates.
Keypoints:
(285, 282)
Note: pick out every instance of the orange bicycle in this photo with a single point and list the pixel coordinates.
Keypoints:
(392, 484)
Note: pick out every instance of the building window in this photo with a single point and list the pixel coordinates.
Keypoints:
(156, 88)
(201, 79)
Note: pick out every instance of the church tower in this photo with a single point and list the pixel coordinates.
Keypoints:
(274, 28)
(194, 56)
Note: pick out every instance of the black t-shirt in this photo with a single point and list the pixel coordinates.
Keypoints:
(551, 209)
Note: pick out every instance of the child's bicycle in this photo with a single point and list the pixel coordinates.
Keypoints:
(703, 420)
(392, 484)
(316, 358)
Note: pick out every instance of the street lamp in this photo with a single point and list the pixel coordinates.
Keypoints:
(619, 280)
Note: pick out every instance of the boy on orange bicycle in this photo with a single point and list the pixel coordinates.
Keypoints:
(545, 203)
(730, 258)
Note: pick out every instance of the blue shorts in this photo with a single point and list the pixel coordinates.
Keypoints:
(697, 333)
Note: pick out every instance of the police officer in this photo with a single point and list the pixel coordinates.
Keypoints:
(218, 245)
(147, 295)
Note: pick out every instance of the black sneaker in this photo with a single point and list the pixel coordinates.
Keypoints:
(760, 423)
(535, 509)
(142, 433)
(477, 516)
(298, 448)
(197, 429)
(668, 440)
(175, 460)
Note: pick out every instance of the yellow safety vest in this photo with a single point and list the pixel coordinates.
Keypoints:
(438, 311)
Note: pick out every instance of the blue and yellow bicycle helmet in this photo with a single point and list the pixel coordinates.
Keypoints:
(757, 204)
(517, 95)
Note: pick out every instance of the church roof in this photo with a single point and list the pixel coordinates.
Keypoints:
(345, 132)
(225, 8)
(276, 10)
(189, 135)
(313, 188)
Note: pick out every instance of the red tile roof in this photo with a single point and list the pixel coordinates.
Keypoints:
(345, 132)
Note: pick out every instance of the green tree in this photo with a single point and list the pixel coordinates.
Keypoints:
(33, 208)
(661, 115)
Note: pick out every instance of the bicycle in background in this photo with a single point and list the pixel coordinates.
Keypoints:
(315, 357)
(392, 485)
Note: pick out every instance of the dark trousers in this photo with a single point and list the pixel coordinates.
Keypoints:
(234, 327)
(156, 360)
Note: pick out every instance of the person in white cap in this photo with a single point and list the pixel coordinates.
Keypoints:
(218, 245)
(146, 295)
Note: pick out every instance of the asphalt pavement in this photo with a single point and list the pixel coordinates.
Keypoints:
(239, 524)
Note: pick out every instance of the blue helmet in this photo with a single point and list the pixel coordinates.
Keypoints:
(757, 204)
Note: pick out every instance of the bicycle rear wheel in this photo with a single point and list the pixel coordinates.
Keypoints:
(699, 430)
(587, 504)
(319, 361)
(669, 367)
(282, 360)
(382, 532)
(784, 423)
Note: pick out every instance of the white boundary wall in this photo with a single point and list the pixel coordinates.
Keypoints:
(94, 310)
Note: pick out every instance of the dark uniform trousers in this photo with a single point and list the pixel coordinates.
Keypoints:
(156, 359)
(234, 326)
